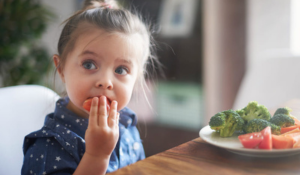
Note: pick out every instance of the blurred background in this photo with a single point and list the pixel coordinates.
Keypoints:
(206, 48)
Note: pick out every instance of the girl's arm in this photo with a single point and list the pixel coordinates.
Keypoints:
(101, 138)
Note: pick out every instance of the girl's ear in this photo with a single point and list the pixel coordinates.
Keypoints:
(56, 60)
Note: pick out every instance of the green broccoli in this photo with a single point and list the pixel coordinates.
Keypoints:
(282, 120)
(257, 125)
(275, 129)
(240, 125)
(226, 123)
(241, 112)
(217, 121)
(285, 110)
(254, 111)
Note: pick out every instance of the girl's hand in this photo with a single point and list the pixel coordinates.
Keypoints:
(102, 133)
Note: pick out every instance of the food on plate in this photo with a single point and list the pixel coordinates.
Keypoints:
(257, 125)
(292, 131)
(287, 111)
(261, 140)
(289, 139)
(251, 140)
(295, 137)
(226, 123)
(88, 103)
(254, 111)
(266, 140)
(282, 120)
(281, 142)
(290, 128)
(266, 143)
(257, 128)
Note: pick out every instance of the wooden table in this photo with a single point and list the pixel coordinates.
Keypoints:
(199, 157)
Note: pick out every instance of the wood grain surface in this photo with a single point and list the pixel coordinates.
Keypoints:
(199, 157)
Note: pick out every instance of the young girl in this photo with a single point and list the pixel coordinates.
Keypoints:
(102, 55)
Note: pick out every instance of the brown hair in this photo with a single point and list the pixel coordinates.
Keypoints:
(106, 15)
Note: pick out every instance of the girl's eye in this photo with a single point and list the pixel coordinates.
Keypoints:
(121, 70)
(89, 65)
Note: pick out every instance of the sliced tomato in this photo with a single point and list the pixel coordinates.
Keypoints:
(281, 142)
(287, 129)
(292, 131)
(251, 140)
(297, 122)
(88, 103)
(266, 143)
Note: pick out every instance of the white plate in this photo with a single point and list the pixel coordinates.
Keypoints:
(233, 144)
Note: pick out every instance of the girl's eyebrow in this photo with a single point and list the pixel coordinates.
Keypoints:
(125, 61)
(88, 52)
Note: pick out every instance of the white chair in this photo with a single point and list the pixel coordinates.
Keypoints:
(271, 82)
(22, 110)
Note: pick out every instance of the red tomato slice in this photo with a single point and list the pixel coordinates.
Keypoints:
(251, 140)
(88, 103)
(281, 142)
(287, 129)
(266, 143)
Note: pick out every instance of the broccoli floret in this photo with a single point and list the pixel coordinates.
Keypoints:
(275, 129)
(226, 123)
(282, 120)
(240, 124)
(285, 110)
(257, 125)
(217, 121)
(241, 112)
(254, 111)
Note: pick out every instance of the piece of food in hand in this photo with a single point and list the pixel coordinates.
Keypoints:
(266, 143)
(254, 111)
(251, 140)
(282, 120)
(257, 125)
(226, 123)
(88, 103)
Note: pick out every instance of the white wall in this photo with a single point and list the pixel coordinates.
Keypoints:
(63, 10)
(269, 29)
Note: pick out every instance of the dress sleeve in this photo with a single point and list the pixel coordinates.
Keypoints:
(45, 156)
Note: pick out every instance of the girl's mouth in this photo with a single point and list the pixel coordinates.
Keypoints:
(88, 103)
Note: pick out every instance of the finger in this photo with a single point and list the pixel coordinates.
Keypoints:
(93, 121)
(113, 114)
(117, 120)
(102, 117)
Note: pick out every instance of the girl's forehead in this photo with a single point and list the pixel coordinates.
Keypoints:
(128, 47)
(98, 39)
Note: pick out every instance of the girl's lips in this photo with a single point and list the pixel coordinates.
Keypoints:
(88, 103)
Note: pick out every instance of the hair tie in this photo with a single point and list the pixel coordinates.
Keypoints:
(104, 4)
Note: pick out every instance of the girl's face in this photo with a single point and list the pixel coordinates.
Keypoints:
(101, 64)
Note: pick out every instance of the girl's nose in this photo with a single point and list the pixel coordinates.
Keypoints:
(106, 84)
